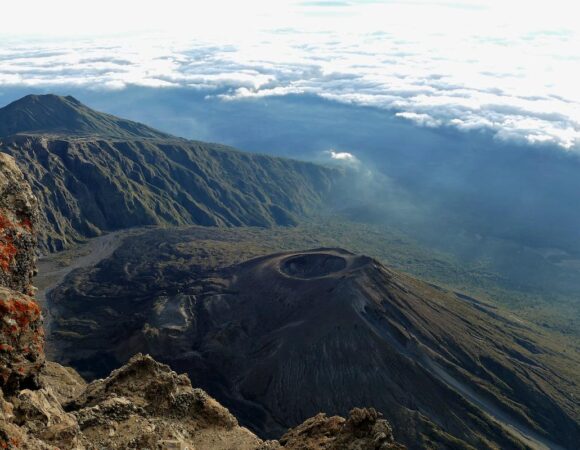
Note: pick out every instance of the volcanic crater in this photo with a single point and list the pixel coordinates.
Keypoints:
(313, 265)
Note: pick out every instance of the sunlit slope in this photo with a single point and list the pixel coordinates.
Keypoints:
(93, 172)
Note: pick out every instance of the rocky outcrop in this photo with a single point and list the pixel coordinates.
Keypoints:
(18, 217)
(144, 404)
(21, 333)
(21, 340)
(363, 430)
(66, 384)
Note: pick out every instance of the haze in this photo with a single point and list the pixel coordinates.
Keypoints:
(506, 66)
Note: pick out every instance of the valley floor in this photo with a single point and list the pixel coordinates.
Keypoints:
(53, 268)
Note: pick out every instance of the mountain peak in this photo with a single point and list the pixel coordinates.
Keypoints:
(45, 98)
(65, 115)
(48, 99)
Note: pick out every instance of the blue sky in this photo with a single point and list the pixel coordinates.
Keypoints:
(506, 66)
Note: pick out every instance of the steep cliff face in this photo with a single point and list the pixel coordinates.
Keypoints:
(18, 220)
(93, 173)
(21, 333)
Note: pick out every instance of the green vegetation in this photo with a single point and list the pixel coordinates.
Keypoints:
(556, 312)
(93, 172)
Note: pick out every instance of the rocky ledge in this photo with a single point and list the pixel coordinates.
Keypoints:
(145, 405)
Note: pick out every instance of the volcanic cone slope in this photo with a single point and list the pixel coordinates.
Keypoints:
(281, 337)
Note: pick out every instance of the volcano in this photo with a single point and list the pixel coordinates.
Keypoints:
(282, 337)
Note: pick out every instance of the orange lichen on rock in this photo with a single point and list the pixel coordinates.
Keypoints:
(26, 223)
(8, 252)
(5, 222)
(21, 339)
(7, 248)
(22, 311)
(21, 333)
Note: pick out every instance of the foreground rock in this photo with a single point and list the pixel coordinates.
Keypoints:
(364, 429)
(21, 334)
(142, 405)
(145, 405)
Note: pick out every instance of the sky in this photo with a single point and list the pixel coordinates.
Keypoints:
(506, 66)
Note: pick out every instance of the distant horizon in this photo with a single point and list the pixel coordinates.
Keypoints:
(506, 67)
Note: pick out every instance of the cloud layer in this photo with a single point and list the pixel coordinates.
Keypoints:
(520, 83)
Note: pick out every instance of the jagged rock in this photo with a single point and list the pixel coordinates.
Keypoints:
(13, 436)
(270, 445)
(66, 384)
(145, 404)
(363, 430)
(40, 413)
(141, 405)
(157, 389)
(21, 333)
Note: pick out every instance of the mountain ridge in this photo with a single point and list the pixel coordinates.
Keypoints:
(112, 175)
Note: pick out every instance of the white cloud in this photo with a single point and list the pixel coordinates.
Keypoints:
(466, 64)
(342, 156)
